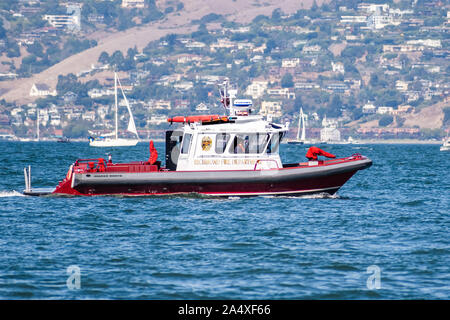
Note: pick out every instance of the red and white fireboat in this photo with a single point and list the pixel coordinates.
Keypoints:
(232, 155)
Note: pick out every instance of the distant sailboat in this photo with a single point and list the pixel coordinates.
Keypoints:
(301, 124)
(112, 139)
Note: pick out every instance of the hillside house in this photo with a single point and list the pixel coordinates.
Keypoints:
(129, 4)
(41, 90)
(385, 110)
(55, 120)
(353, 19)
(161, 105)
(311, 49)
(181, 104)
(184, 85)
(401, 85)
(330, 134)
(257, 88)
(338, 67)
(98, 93)
(403, 109)
(88, 116)
(64, 21)
(290, 63)
(69, 97)
(272, 108)
(284, 93)
(369, 108)
(201, 107)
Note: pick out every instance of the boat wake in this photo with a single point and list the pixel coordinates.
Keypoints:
(13, 193)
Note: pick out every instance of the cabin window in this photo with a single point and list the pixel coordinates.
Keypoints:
(274, 142)
(240, 144)
(249, 143)
(258, 142)
(221, 142)
(173, 145)
(186, 143)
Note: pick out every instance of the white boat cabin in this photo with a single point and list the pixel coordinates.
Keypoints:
(241, 141)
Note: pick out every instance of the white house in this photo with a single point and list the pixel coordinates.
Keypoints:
(338, 67)
(385, 110)
(55, 120)
(162, 105)
(41, 90)
(285, 93)
(401, 85)
(369, 108)
(97, 93)
(184, 85)
(311, 49)
(353, 19)
(330, 134)
(272, 108)
(133, 4)
(434, 43)
(290, 63)
(257, 88)
(201, 107)
(62, 21)
(89, 116)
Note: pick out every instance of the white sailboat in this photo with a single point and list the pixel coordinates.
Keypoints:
(301, 124)
(112, 139)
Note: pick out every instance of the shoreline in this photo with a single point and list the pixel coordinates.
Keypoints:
(399, 141)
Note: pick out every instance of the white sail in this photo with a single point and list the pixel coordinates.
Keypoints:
(116, 141)
(131, 125)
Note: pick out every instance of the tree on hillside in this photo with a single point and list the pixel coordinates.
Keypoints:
(171, 39)
(104, 57)
(66, 84)
(13, 49)
(270, 45)
(334, 107)
(202, 34)
(117, 58)
(287, 81)
(385, 121)
(2, 30)
(36, 49)
(298, 103)
(276, 15)
(447, 116)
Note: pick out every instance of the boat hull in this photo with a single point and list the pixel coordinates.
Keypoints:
(286, 181)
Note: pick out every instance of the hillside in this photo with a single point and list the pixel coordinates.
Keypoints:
(427, 118)
(239, 10)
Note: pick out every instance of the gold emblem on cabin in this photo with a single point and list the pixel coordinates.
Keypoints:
(206, 143)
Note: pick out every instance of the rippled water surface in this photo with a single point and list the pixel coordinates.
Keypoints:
(394, 215)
